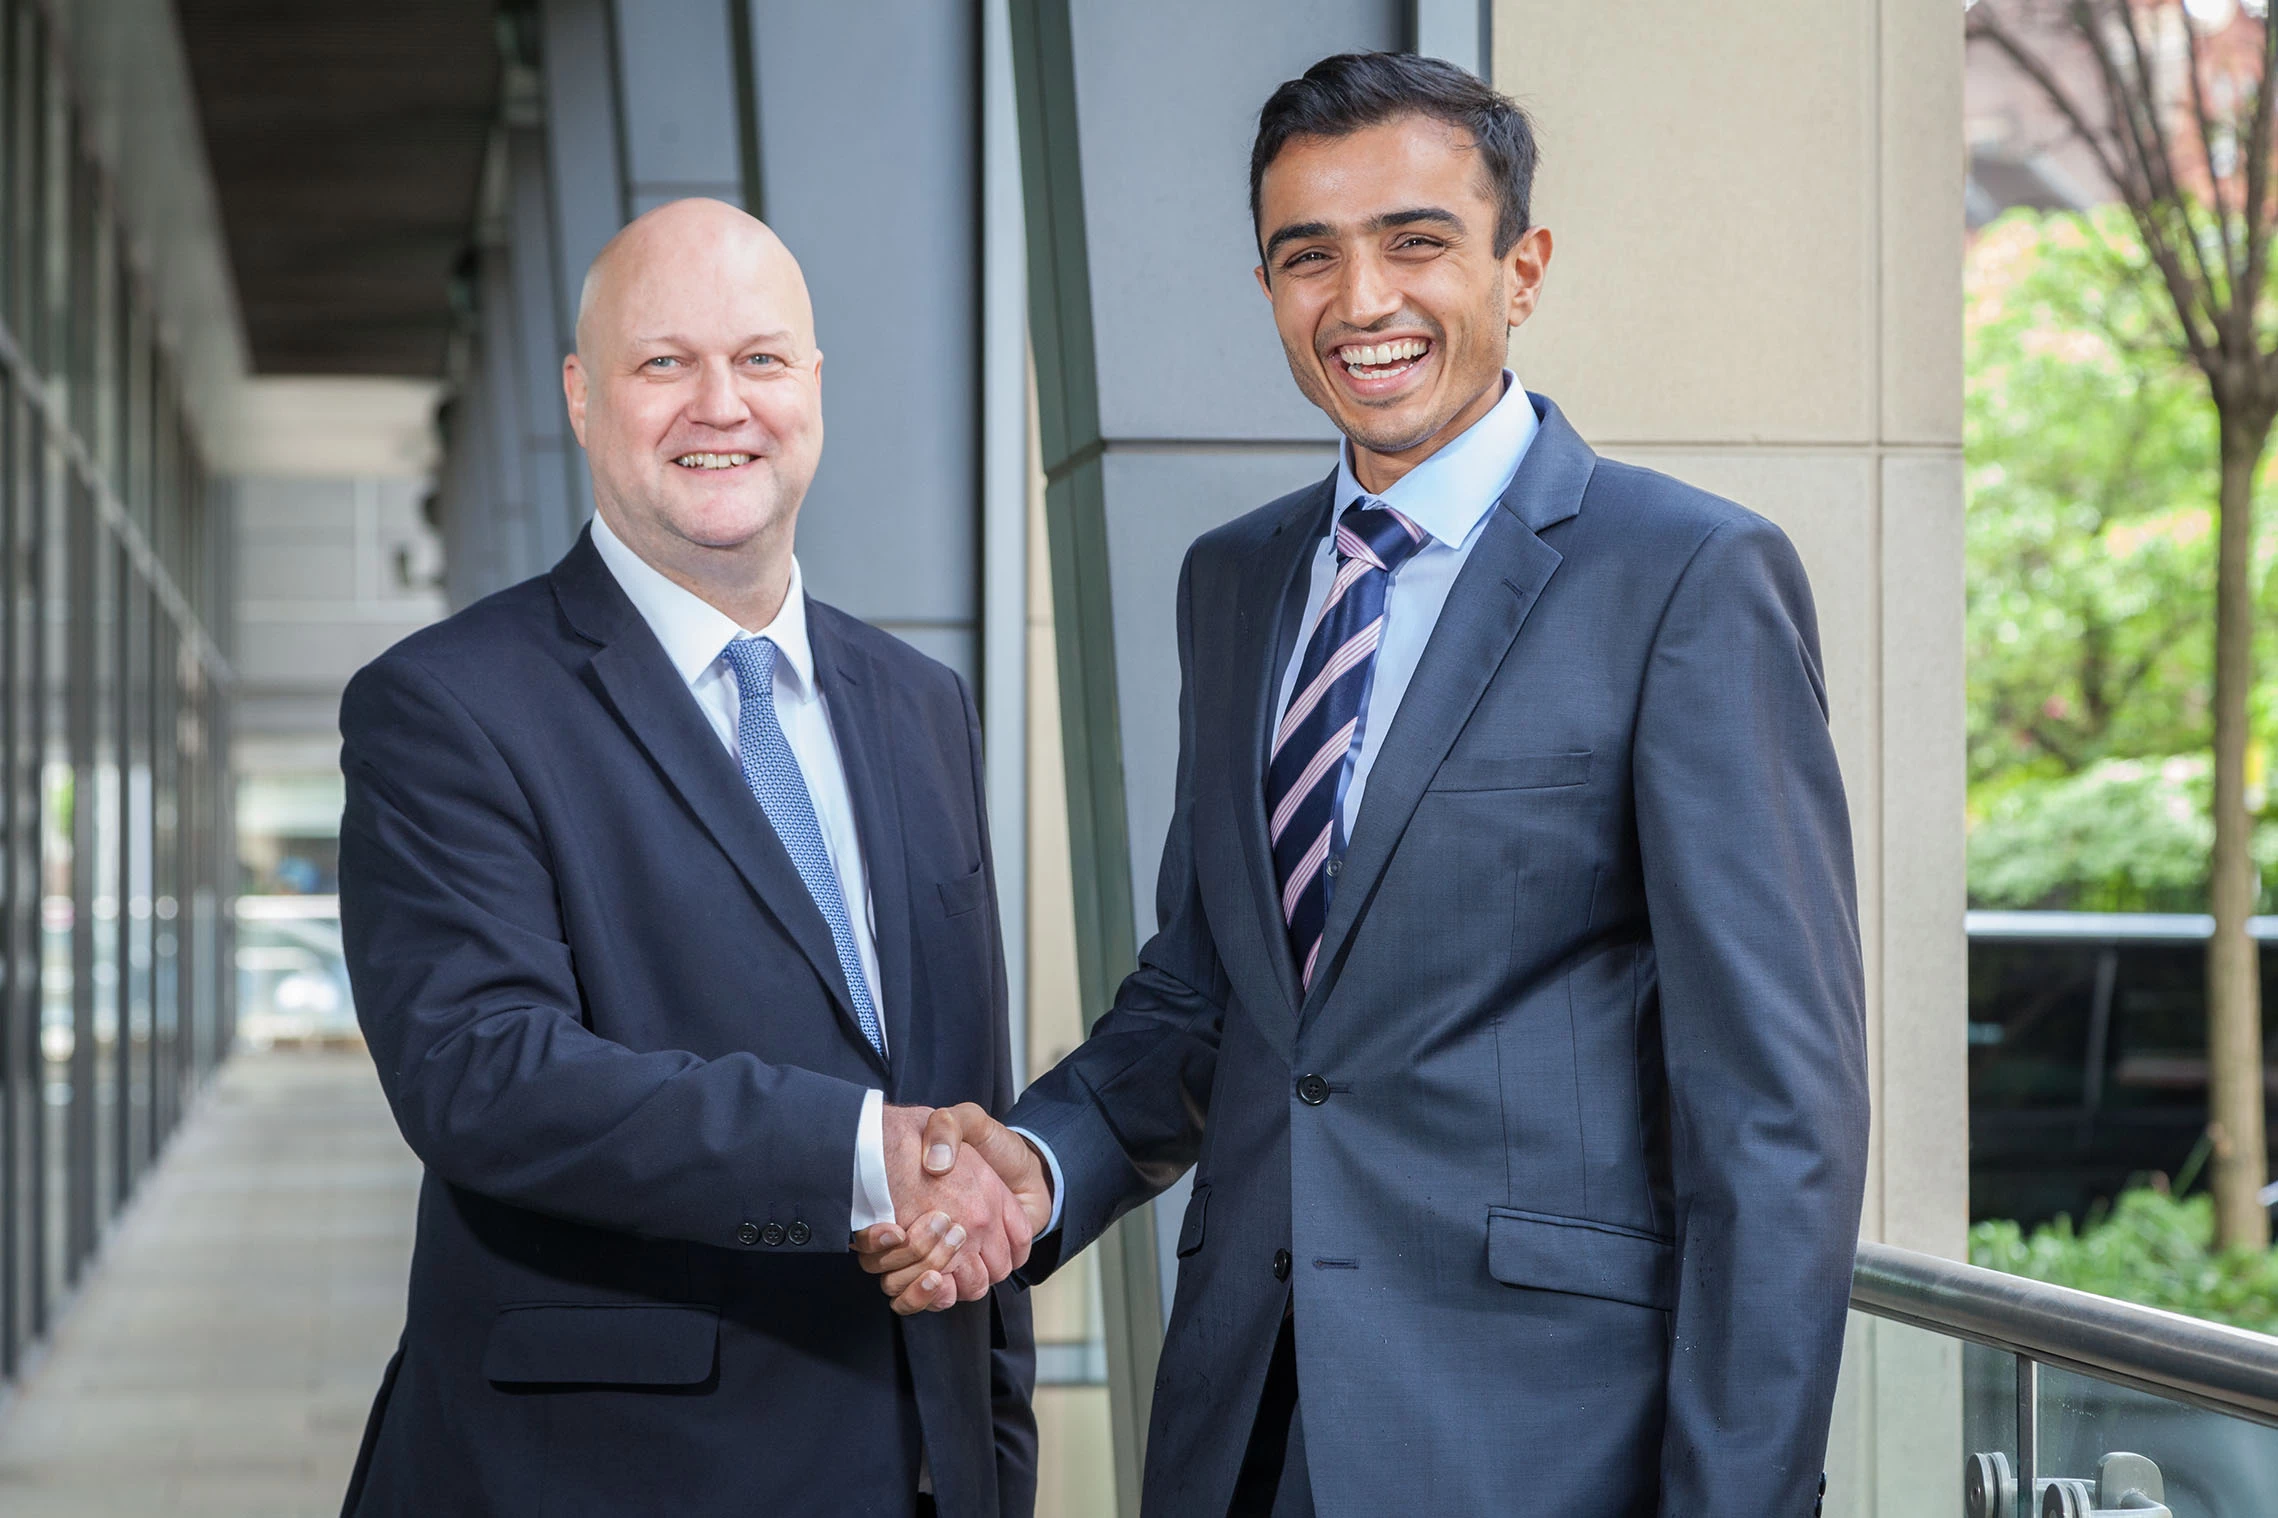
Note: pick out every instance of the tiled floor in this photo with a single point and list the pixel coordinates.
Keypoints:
(228, 1343)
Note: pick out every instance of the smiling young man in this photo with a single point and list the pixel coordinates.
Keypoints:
(1507, 994)
(667, 899)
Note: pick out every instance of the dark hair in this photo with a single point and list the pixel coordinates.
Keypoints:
(1349, 92)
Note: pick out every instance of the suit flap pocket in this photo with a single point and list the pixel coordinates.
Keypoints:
(1197, 1214)
(964, 893)
(636, 1344)
(1584, 1258)
(1513, 772)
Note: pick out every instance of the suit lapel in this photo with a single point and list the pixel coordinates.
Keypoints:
(860, 725)
(638, 682)
(1271, 604)
(1487, 606)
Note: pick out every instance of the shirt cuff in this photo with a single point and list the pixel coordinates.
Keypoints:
(1051, 1163)
(873, 1202)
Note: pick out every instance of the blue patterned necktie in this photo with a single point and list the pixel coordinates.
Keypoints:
(772, 771)
(1320, 734)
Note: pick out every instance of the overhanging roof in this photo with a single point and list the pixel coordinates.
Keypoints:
(346, 144)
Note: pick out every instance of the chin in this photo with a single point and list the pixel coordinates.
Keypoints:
(722, 524)
(1391, 435)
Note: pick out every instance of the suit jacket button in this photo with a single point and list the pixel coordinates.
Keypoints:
(1281, 1264)
(1312, 1090)
(771, 1235)
(747, 1233)
(800, 1233)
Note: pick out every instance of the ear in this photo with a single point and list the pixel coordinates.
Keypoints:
(573, 391)
(1528, 264)
(1265, 285)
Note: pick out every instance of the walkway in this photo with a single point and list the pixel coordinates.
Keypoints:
(222, 1358)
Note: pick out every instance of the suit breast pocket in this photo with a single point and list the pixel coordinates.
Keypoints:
(964, 894)
(1514, 772)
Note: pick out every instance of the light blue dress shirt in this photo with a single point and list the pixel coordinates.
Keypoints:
(1448, 495)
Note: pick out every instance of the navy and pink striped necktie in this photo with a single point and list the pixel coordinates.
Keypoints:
(1320, 734)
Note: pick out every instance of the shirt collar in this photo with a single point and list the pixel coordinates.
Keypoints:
(1450, 493)
(693, 631)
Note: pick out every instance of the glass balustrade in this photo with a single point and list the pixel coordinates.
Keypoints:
(2069, 1405)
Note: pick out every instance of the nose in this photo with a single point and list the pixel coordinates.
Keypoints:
(717, 402)
(1369, 294)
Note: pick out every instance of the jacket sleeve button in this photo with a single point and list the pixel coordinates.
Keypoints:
(799, 1233)
(771, 1235)
(747, 1233)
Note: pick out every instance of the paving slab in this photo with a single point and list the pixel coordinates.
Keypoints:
(231, 1334)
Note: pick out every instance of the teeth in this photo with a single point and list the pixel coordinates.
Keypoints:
(712, 460)
(1377, 355)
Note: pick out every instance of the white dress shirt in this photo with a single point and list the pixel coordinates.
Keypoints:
(695, 635)
(1448, 495)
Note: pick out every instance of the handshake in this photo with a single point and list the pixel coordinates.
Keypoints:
(970, 1196)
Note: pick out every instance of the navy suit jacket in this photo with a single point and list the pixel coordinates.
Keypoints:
(1560, 1158)
(611, 1022)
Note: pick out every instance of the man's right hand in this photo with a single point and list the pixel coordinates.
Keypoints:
(958, 1229)
(929, 1263)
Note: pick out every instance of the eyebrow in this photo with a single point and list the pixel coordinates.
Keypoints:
(1414, 216)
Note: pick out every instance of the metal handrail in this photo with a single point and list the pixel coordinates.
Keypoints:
(2211, 1365)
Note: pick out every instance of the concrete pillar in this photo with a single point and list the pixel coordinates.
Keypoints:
(1757, 287)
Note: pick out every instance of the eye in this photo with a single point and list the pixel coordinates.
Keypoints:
(764, 361)
(660, 363)
(1310, 255)
(1416, 240)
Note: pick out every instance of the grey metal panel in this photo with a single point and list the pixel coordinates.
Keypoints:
(1149, 329)
(540, 341)
(1168, 95)
(1158, 501)
(677, 82)
(1004, 507)
(587, 181)
(869, 139)
(1457, 30)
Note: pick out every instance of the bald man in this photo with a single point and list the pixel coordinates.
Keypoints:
(668, 904)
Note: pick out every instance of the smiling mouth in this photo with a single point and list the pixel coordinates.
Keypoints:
(1378, 361)
(714, 460)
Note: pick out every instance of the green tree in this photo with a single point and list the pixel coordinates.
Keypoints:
(2091, 567)
(2183, 136)
(2091, 507)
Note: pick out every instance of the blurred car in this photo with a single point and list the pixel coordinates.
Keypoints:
(2088, 1054)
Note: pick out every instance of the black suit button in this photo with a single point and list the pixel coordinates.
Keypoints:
(771, 1235)
(1823, 1483)
(800, 1233)
(1312, 1090)
(1281, 1264)
(747, 1233)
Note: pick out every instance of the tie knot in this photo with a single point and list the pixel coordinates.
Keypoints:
(753, 660)
(1370, 530)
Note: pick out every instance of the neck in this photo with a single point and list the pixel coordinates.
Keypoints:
(1379, 472)
(746, 582)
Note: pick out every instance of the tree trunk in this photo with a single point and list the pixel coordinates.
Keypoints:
(2234, 990)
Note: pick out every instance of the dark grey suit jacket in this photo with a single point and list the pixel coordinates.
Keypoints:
(1572, 1203)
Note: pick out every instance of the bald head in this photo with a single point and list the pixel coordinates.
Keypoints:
(684, 248)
